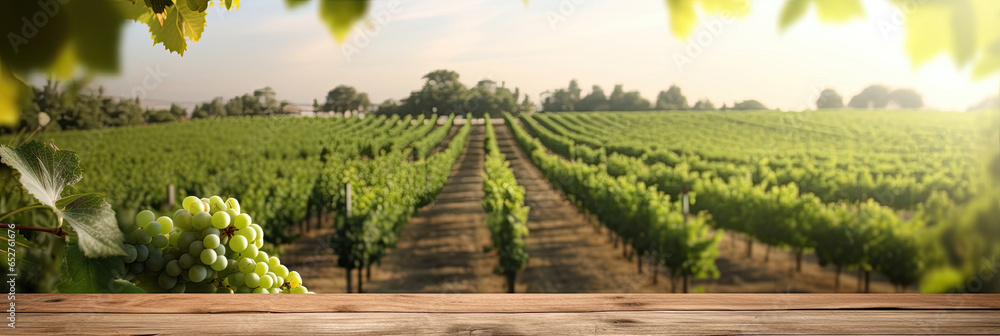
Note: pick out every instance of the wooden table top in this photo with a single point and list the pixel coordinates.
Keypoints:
(537, 314)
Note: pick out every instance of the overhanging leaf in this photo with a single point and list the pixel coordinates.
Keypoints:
(95, 224)
(45, 173)
(80, 274)
(192, 22)
(340, 15)
(169, 33)
(293, 4)
(793, 11)
(10, 88)
(839, 11)
(96, 28)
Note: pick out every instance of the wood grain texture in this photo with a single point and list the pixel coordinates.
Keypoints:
(536, 314)
(490, 303)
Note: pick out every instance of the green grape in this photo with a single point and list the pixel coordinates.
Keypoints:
(294, 280)
(274, 279)
(250, 252)
(173, 268)
(252, 280)
(249, 233)
(236, 279)
(299, 290)
(286, 291)
(211, 241)
(166, 224)
(136, 267)
(142, 252)
(130, 237)
(185, 240)
(232, 266)
(225, 290)
(131, 253)
(244, 289)
(180, 288)
(215, 199)
(233, 204)
(247, 265)
(232, 213)
(195, 206)
(160, 241)
(210, 231)
(242, 221)
(259, 231)
(261, 257)
(182, 219)
(142, 237)
(217, 207)
(259, 243)
(275, 291)
(280, 282)
(273, 262)
(238, 243)
(220, 220)
(220, 250)
(198, 273)
(201, 220)
(144, 216)
(154, 263)
(166, 281)
(186, 260)
(260, 269)
(208, 256)
(172, 238)
(152, 228)
(188, 200)
(266, 282)
(153, 250)
(196, 247)
(220, 263)
(260, 290)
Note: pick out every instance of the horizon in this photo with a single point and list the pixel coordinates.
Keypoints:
(536, 48)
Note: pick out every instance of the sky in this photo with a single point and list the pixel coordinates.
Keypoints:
(537, 48)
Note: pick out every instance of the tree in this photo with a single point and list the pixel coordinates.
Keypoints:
(595, 101)
(574, 92)
(907, 98)
(749, 105)
(829, 99)
(874, 96)
(671, 100)
(442, 94)
(341, 99)
(704, 105)
(559, 101)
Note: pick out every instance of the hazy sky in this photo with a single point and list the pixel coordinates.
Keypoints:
(537, 48)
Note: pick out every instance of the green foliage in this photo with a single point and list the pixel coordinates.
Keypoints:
(507, 217)
(81, 274)
(45, 173)
(644, 217)
(829, 99)
(425, 146)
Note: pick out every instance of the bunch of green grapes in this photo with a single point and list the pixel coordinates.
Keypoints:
(209, 245)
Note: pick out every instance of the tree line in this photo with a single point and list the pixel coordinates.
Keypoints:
(571, 98)
(442, 94)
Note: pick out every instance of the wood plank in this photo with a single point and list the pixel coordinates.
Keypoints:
(672, 322)
(491, 303)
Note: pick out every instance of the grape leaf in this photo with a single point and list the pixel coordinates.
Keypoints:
(792, 12)
(192, 22)
(80, 274)
(292, 4)
(341, 15)
(684, 16)
(95, 31)
(833, 11)
(45, 173)
(10, 88)
(169, 33)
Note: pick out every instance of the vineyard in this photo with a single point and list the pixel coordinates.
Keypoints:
(871, 192)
